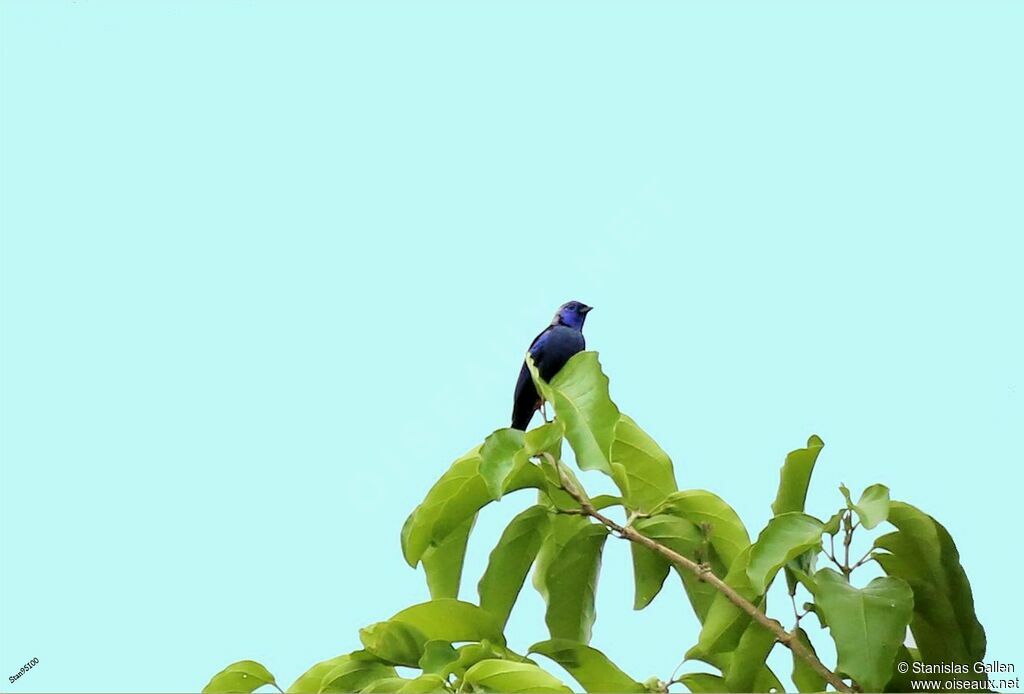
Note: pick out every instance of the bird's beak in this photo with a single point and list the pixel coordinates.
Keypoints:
(588, 309)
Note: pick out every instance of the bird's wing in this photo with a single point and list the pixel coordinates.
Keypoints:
(525, 401)
(554, 348)
(538, 342)
(539, 345)
(525, 390)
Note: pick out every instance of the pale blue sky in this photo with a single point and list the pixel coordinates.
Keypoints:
(267, 268)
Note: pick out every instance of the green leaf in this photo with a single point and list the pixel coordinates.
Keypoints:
(701, 594)
(510, 561)
(353, 674)
(386, 685)
(832, 526)
(472, 653)
(566, 576)
(816, 611)
(394, 642)
(545, 438)
(703, 682)
(726, 531)
(498, 456)
(647, 468)
(561, 528)
(650, 568)
(802, 569)
(553, 496)
(588, 666)
(784, 538)
(923, 554)
(437, 656)
(442, 563)
(243, 676)
(507, 450)
(747, 671)
(903, 681)
(795, 477)
(766, 681)
(425, 684)
(452, 620)
(805, 677)
(579, 393)
(510, 677)
(873, 507)
(309, 681)
(556, 498)
(867, 624)
(454, 499)
(603, 501)
(725, 623)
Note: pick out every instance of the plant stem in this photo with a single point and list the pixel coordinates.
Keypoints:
(847, 539)
(704, 573)
(796, 612)
(863, 560)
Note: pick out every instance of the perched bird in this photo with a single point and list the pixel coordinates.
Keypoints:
(550, 351)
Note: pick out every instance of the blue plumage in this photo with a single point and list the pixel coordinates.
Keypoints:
(550, 351)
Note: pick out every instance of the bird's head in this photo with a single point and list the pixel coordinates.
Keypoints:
(572, 314)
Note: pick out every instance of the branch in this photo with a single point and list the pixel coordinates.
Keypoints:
(704, 573)
(848, 528)
(868, 556)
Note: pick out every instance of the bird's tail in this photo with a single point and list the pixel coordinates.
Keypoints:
(522, 413)
(526, 400)
(520, 422)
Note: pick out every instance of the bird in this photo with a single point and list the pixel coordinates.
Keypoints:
(550, 351)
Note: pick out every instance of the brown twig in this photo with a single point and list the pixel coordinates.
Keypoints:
(704, 573)
(868, 556)
(847, 539)
(832, 553)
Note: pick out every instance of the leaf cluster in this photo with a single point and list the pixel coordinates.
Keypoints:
(459, 646)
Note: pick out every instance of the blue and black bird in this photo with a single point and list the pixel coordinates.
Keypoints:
(550, 351)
